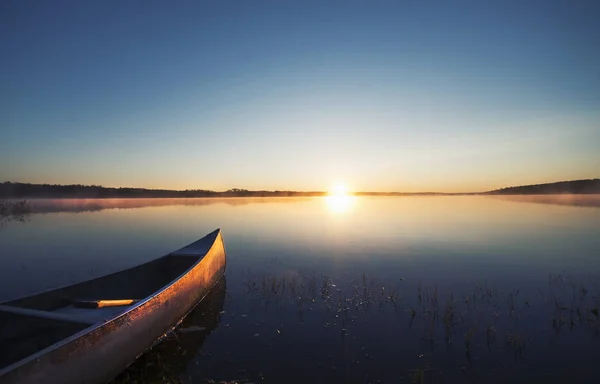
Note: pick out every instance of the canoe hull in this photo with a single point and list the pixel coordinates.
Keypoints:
(99, 353)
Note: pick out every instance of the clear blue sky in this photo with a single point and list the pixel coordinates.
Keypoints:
(406, 96)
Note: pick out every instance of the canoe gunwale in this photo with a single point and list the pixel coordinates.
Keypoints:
(180, 320)
(97, 325)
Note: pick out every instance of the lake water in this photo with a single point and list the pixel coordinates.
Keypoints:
(345, 289)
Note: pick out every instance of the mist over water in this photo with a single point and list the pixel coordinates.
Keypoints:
(564, 199)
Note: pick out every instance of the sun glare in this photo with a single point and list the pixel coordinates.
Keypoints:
(339, 199)
(338, 190)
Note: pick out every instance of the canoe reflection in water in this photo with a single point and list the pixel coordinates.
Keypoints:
(166, 362)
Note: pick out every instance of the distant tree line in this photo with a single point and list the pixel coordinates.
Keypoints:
(590, 186)
(25, 190)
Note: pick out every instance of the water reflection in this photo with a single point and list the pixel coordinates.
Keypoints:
(340, 203)
(443, 238)
(341, 288)
(168, 360)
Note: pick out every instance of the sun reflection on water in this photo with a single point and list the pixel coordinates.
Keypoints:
(339, 200)
(340, 204)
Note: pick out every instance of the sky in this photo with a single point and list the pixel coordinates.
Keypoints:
(451, 96)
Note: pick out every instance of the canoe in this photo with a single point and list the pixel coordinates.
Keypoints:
(91, 331)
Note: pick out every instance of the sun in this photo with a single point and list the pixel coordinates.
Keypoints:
(338, 190)
(339, 199)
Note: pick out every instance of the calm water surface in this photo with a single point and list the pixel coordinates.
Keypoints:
(388, 289)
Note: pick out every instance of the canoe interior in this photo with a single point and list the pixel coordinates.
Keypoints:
(21, 335)
(30, 324)
(134, 283)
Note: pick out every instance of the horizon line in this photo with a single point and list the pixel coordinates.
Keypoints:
(242, 190)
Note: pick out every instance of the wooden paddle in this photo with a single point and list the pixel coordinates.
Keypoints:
(103, 303)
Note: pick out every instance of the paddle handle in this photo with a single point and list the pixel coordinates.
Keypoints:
(104, 303)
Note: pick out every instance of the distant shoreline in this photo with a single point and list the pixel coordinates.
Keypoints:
(10, 190)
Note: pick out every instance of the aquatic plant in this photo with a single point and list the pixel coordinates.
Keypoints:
(467, 321)
(14, 210)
